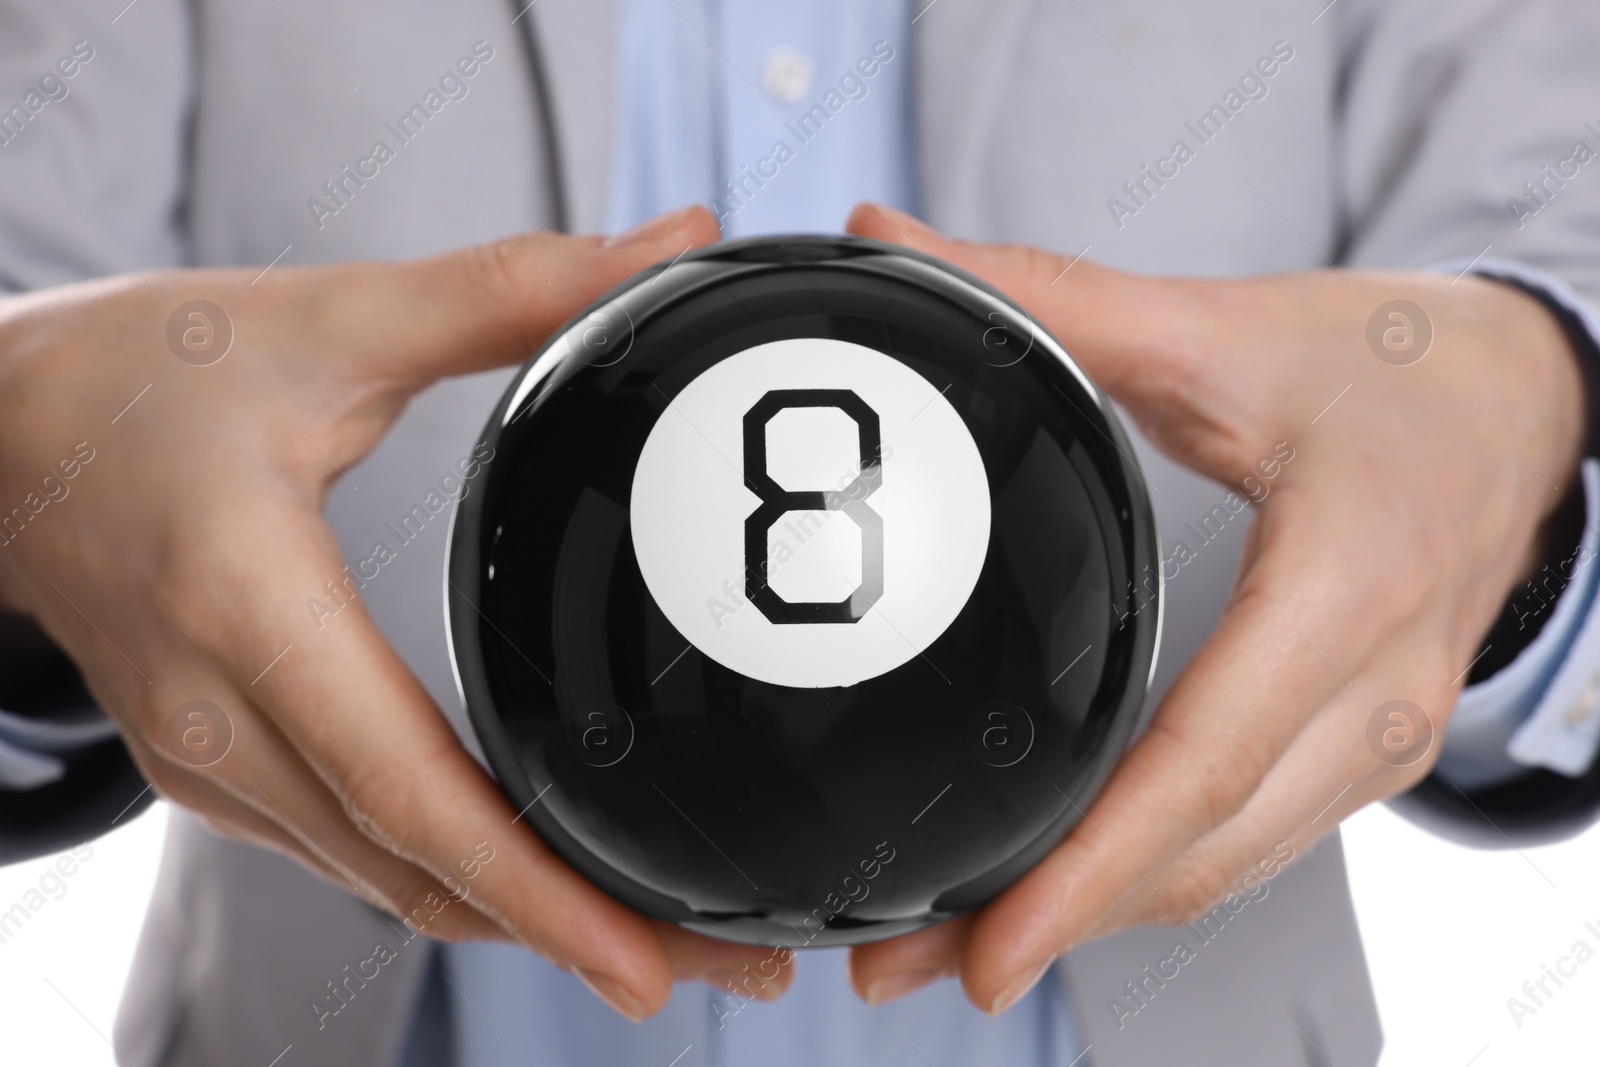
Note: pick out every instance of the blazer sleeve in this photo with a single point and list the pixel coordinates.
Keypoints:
(1459, 126)
(1469, 132)
(95, 108)
(96, 786)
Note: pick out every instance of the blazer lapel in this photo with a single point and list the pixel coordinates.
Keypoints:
(961, 49)
(577, 44)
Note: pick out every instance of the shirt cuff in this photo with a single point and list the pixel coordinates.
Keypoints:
(1511, 721)
(1543, 709)
(34, 751)
(22, 769)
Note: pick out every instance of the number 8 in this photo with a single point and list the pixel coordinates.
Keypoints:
(777, 501)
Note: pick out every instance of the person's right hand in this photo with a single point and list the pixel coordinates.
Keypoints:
(180, 561)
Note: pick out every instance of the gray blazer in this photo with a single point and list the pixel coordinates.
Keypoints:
(1389, 134)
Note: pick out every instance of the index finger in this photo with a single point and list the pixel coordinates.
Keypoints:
(481, 307)
(1120, 327)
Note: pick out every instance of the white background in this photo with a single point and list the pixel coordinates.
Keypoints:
(1450, 934)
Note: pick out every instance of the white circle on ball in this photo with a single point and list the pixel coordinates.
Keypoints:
(927, 490)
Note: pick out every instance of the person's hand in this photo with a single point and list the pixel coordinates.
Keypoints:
(1377, 562)
(171, 535)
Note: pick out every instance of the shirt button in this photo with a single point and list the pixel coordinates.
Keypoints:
(1584, 706)
(787, 74)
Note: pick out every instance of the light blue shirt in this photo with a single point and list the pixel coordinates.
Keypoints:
(779, 117)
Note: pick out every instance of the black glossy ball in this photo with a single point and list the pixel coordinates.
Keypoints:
(798, 603)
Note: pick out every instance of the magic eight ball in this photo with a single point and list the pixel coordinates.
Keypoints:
(806, 599)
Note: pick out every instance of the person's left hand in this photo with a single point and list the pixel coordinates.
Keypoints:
(1376, 564)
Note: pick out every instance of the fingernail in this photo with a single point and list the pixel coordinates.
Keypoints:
(621, 1001)
(884, 989)
(652, 230)
(1018, 988)
(745, 984)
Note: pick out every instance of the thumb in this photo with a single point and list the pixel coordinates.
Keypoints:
(1128, 333)
(476, 308)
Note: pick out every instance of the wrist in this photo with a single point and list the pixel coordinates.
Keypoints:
(1556, 355)
(1560, 352)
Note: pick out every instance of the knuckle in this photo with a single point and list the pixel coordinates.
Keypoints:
(378, 805)
(505, 269)
(1185, 357)
(1236, 771)
(1040, 267)
(145, 716)
(387, 806)
(1191, 891)
(1228, 774)
(419, 901)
